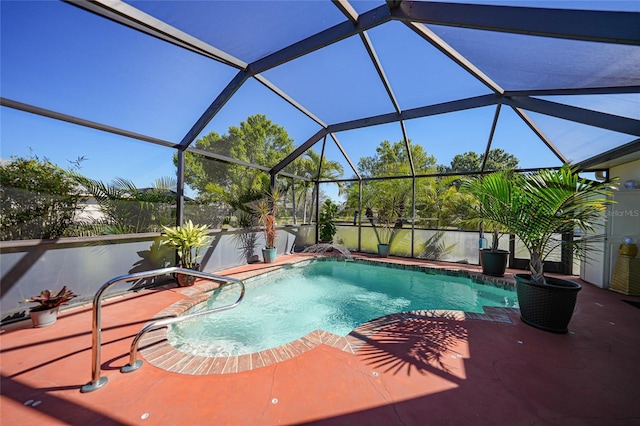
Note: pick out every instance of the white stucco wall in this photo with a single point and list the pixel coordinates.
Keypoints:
(622, 220)
(624, 216)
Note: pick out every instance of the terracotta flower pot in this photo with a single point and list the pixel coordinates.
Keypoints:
(187, 280)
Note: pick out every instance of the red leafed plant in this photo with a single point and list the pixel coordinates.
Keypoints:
(265, 212)
(48, 300)
(270, 231)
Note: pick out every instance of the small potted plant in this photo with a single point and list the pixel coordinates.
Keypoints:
(187, 239)
(536, 207)
(45, 313)
(265, 213)
(387, 222)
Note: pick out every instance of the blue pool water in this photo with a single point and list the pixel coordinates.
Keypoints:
(334, 296)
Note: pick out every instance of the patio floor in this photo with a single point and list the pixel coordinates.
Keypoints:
(419, 370)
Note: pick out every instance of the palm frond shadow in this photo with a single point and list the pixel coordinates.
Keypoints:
(419, 342)
(435, 248)
(246, 242)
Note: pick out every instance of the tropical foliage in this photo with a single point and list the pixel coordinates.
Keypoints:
(326, 226)
(265, 212)
(438, 201)
(187, 239)
(49, 300)
(539, 205)
(388, 216)
(127, 209)
(256, 140)
(491, 192)
(471, 161)
(38, 200)
(310, 166)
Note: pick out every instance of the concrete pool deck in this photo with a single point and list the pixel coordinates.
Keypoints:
(411, 370)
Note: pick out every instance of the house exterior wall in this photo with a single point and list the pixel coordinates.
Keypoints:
(622, 220)
(624, 216)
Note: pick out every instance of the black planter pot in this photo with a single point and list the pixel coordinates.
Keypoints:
(494, 263)
(547, 307)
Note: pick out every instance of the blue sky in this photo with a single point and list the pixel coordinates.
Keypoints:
(89, 67)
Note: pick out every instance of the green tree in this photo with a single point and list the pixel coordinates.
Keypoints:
(471, 161)
(438, 202)
(391, 160)
(327, 227)
(453, 207)
(256, 140)
(37, 200)
(309, 166)
(442, 203)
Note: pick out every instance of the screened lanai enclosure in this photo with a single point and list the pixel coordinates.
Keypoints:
(119, 117)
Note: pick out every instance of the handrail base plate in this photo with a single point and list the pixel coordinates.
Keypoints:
(90, 387)
(129, 367)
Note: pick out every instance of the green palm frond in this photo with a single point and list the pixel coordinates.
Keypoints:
(540, 205)
(187, 239)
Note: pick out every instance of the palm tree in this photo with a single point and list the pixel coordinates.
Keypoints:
(309, 166)
(127, 208)
(538, 205)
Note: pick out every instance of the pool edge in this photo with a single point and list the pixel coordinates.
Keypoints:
(157, 351)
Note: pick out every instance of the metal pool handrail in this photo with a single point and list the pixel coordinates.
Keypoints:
(96, 381)
(134, 365)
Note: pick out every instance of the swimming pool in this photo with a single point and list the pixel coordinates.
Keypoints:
(334, 296)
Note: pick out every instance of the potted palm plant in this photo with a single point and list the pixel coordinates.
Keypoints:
(45, 313)
(490, 216)
(493, 259)
(388, 220)
(536, 207)
(265, 213)
(187, 239)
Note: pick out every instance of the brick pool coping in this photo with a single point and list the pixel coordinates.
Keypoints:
(156, 349)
